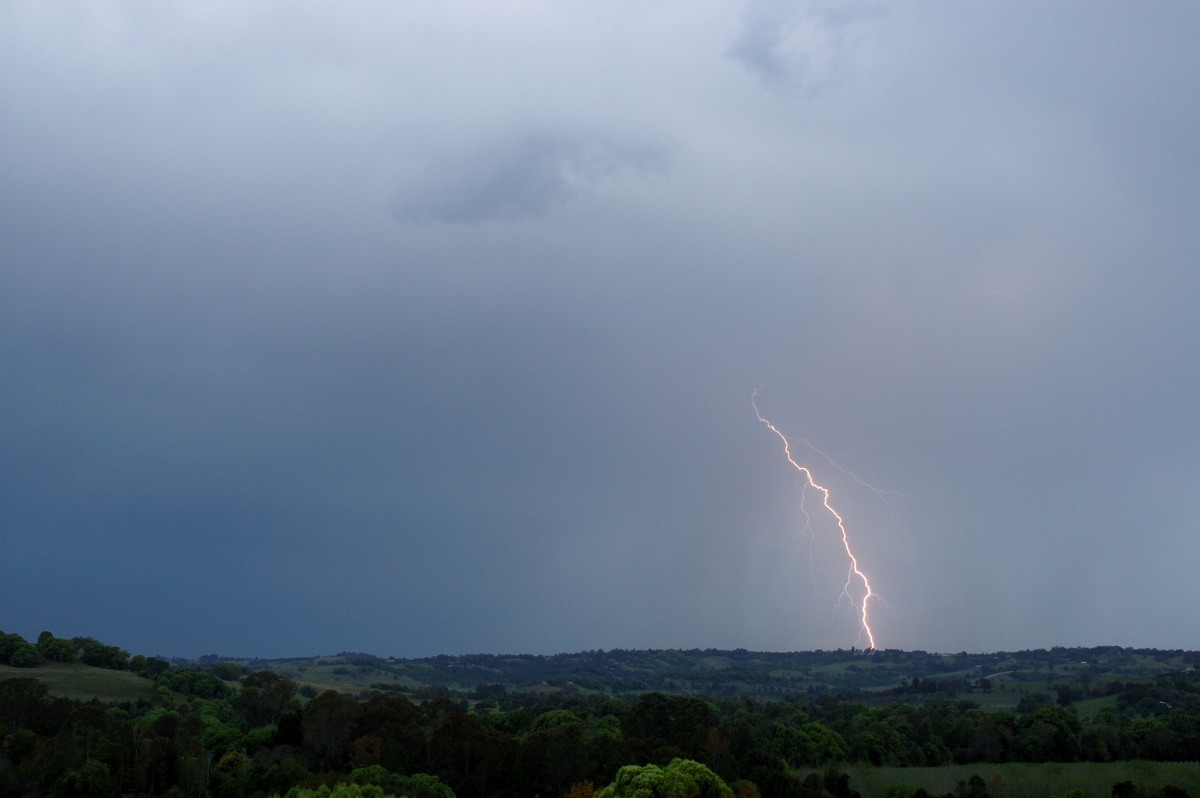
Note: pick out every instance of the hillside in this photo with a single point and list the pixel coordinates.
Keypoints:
(994, 680)
(1089, 679)
(85, 682)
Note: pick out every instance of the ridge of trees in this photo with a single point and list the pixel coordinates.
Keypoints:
(719, 673)
(20, 653)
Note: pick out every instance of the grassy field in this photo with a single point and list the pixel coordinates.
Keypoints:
(1090, 707)
(1023, 780)
(76, 680)
(336, 675)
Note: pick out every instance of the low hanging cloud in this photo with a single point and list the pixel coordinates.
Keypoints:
(518, 177)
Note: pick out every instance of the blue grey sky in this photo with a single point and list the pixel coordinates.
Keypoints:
(421, 328)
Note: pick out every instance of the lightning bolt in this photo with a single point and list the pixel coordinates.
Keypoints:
(855, 573)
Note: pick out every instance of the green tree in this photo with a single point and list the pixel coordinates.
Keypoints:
(91, 780)
(1050, 733)
(682, 778)
(555, 717)
(228, 671)
(265, 696)
(554, 758)
(9, 643)
(340, 790)
(790, 743)
(56, 649)
(827, 745)
(190, 681)
(218, 736)
(658, 723)
(25, 655)
(21, 700)
(1156, 740)
(328, 724)
(93, 652)
(399, 723)
(418, 785)
(155, 666)
(1032, 702)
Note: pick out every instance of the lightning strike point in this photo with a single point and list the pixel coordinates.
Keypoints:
(855, 573)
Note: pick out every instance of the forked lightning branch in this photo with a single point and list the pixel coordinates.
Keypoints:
(855, 575)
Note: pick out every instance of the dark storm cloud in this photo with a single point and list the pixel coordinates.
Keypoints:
(420, 330)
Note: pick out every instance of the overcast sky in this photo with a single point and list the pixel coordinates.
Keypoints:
(418, 328)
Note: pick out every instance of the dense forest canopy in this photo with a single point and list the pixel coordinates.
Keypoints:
(571, 724)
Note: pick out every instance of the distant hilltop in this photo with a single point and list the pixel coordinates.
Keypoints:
(1001, 676)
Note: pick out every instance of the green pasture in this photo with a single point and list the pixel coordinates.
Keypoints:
(1024, 780)
(84, 682)
(1090, 707)
(336, 675)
